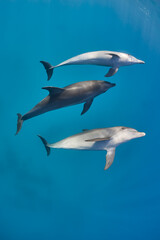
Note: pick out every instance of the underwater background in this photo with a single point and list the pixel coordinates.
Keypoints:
(68, 195)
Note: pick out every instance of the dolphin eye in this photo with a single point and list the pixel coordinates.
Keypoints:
(123, 128)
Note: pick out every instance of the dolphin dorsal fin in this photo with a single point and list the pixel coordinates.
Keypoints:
(53, 90)
(109, 158)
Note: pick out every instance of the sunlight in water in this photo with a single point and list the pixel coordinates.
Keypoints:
(141, 14)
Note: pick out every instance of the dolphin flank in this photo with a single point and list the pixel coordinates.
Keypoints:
(97, 139)
(81, 92)
(111, 59)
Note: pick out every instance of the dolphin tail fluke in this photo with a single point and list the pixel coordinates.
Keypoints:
(19, 123)
(49, 69)
(48, 149)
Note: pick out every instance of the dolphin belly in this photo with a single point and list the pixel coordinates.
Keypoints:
(72, 144)
(95, 61)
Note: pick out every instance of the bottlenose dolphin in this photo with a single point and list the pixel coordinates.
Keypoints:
(97, 139)
(102, 58)
(81, 92)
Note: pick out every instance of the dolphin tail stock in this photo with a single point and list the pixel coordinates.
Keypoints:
(19, 123)
(48, 149)
(49, 69)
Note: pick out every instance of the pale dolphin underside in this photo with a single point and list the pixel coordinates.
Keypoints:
(97, 139)
(111, 59)
(77, 93)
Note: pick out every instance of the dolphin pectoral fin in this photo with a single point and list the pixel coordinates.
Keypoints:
(87, 106)
(98, 139)
(114, 55)
(54, 90)
(111, 72)
(109, 158)
(49, 68)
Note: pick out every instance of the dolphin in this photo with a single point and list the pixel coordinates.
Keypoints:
(97, 139)
(111, 59)
(81, 92)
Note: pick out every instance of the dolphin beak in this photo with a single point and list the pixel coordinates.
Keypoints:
(141, 62)
(142, 134)
(113, 84)
(109, 85)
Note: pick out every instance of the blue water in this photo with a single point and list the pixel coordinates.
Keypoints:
(68, 195)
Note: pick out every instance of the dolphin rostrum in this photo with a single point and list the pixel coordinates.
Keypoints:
(114, 60)
(81, 92)
(97, 139)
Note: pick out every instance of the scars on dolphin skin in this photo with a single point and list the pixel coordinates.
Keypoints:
(97, 139)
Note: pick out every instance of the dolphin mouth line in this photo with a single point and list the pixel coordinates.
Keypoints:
(111, 84)
(141, 62)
